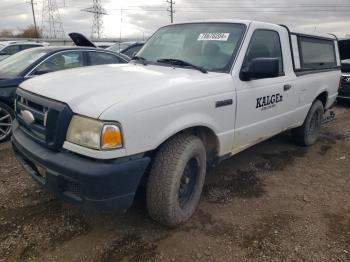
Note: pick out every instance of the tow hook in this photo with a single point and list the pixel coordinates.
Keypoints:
(328, 117)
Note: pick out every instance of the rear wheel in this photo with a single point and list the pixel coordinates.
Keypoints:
(176, 180)
(309, 132)
(6, 118)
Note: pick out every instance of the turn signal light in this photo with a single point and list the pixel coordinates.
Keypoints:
(111, 137)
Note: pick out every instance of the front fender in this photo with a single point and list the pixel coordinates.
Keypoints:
(182, 123)
(146, 130)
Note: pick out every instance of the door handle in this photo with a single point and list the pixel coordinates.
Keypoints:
(287, 87)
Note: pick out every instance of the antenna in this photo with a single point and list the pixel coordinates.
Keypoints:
(52, 25)
(99, 12)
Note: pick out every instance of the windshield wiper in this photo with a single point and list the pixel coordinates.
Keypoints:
(179, 62)
(139, 58)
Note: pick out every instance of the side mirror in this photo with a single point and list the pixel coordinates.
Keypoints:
(260, 68)
(3, 53)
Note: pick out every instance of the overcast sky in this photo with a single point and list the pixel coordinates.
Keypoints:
(141, 17)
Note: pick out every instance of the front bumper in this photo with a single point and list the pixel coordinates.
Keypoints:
(105, 185)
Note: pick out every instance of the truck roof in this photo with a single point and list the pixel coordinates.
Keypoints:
(248, 22)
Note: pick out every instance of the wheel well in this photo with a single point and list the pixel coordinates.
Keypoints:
(6, 102)
(210, 141)
(323, 97)
(208, 138)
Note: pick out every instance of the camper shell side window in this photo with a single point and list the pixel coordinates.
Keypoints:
(312, 53)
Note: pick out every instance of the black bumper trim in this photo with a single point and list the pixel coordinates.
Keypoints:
(105, 185)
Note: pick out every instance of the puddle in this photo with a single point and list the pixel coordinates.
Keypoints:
(279, 161)
(328, 140)
(244, 184)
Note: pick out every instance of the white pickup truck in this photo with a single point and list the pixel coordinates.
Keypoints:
(195, 94)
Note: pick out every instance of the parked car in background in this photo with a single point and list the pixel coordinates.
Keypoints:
(195, 94)
(344, 49)
(8, 48)
(127, 48)
(104, 45)
(38, 61)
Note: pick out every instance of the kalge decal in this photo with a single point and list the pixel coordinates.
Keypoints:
(267, 102)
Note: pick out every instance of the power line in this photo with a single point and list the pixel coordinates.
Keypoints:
(52, 25)
(97, 24)
(171, 10)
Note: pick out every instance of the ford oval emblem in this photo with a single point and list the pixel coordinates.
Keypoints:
(27, 117)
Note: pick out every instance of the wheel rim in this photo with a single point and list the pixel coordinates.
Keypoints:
(315, 123)
(5, 123)
(188, 181)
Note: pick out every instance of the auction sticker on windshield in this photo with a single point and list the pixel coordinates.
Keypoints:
(213, 37)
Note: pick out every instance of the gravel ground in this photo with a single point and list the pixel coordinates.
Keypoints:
(273, 202)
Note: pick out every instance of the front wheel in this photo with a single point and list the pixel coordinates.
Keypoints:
(309, 132)
(6, 118)
(176, 180)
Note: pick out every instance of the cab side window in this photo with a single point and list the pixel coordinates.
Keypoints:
(264, 44)
(10, 50)
(61, 61)
(101, 58)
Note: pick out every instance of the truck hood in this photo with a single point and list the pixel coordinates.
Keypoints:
(92, 90)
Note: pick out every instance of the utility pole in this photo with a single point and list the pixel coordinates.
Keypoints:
(171, 9)
(35, 25)
(99, 12)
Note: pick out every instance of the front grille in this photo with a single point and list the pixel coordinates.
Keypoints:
(51, 118)
(38, 127)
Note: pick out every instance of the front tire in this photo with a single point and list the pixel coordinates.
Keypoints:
(309, 132)
(176, 180)
(7, 116)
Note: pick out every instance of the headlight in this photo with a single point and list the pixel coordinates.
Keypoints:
(94, 134)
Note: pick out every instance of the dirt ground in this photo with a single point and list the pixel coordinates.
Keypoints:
(273, 202)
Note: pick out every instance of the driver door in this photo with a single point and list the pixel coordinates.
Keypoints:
(264, 106)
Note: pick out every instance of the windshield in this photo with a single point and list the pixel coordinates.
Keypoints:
(1, 46)
(16, 64)
(211, 46)
(118, 47)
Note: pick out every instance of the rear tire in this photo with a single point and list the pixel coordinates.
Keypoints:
(7, 115)
(309, 132)
(176, 180)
